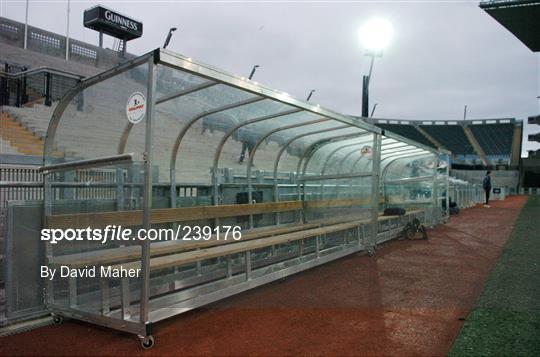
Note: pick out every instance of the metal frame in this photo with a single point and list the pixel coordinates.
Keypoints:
(311, 252)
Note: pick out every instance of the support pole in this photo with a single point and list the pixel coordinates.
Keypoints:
(435, 196)
(365, 96)
(375, 179)
(26, 27)
(447, 187)
(147, 198)
(67, 31)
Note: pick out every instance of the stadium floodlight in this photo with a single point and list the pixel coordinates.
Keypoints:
(253, 71)
(376, 35)
(169, 35)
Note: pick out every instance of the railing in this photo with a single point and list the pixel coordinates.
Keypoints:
(30, 85)
(53, 44)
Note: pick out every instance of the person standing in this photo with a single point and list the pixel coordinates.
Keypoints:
(486, 185)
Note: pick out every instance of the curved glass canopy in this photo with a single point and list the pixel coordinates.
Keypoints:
(163, 141)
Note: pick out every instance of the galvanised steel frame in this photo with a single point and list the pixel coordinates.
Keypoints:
(151, 310)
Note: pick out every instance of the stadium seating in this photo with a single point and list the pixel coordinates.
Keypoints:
(452, 137)
(407, 131)
(495, 139)
(36, 120)
(6, 148)
(16, 139)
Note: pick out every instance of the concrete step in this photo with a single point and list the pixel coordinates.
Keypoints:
(18, 137)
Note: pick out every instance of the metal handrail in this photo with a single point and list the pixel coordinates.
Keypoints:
(39, 70)
(102, 161)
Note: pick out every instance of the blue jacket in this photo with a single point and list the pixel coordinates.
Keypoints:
(486, 184)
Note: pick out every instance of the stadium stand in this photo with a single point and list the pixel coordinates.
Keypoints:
(19, 139)
(475, 143)
(33, 123)
(495, 139)
(407, 131)
(452, 137)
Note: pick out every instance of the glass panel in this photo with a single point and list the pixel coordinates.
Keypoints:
(338, 199)
(408, 182)
(98, 209)
(93, 123)
(326, 158)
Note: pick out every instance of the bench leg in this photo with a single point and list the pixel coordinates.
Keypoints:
(301, 247)
(317, 246)
(248, 265)
(105, 296)
(229, 267)
(173, 284)
(199, 266)
(72, 285)
(364, 234)
(124, 282)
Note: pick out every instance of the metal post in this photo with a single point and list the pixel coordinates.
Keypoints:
(375, 179)
(47, 211)
(18, 93)
(435, 198)
(48, 81)
(26, 27)
(365, 96)
(447, 187)
(24, 98)
(67, 31)
(365, 89)
(147, 198)
(120, 198)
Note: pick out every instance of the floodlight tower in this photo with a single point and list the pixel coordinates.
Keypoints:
(375, 36)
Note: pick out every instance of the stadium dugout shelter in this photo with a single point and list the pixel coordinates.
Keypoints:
(160, 136)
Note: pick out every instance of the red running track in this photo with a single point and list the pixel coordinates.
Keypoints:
(410, 299)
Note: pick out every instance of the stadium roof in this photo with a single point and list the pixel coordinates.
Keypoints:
(520, 17)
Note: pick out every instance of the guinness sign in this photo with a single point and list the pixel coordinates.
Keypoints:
(112, 23)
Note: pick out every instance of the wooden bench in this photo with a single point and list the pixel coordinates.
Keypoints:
(178, 215)
(126, 254)
(171, 254)
(167, 215)
(239, 247)
(253, 244)
(130, 253)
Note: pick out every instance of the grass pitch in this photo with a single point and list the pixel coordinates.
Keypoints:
(506, 318)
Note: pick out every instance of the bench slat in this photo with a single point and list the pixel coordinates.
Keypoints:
(126, 254)
(208, 253)
(121, 254)
(339, 202)
(166, 215)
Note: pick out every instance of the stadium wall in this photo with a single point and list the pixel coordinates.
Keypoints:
(500, 178)
(52, 48)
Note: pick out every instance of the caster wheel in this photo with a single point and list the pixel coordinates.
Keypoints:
(148, 342)
(371, 252)
(424, 233)
(57, 319)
